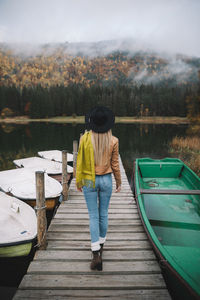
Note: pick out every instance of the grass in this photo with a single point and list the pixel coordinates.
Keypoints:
(188, 150)
(81, 120)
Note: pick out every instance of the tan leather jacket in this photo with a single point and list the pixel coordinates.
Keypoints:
(111, 165)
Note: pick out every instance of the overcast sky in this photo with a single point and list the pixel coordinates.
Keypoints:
(164, 25)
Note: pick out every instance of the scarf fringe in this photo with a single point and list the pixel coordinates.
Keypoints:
(85, 182)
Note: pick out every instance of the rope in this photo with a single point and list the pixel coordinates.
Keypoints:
(39, 208)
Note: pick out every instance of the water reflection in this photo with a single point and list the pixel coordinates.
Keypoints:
(136, 140)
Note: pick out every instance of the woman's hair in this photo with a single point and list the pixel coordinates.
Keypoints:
(101, 144)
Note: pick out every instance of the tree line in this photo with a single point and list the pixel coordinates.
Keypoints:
(77, 99)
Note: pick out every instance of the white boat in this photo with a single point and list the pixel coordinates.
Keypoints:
(55, 155)
(21, 183)
(18, 227)
(40, 164)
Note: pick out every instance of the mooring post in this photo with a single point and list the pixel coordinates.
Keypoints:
(41, 210)
(75, 152)
(64, 175)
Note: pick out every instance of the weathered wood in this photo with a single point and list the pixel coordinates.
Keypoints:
(111, 206)
(64, 175)
(85, 216)
(86, 236)
(170, 192)
(114, 194)
(85, 228)
(112, 244)
(41, 210)
(114, 200)
(114, 294)
(125, 255)
(93, 281)
(76, 267)
(75, 153)
(130, 210)
(80, 222)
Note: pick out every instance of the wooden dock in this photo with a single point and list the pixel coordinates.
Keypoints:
(130, 269)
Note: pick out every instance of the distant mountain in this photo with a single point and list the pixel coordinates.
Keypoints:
(105, 63)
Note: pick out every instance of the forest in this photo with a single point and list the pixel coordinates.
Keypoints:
(144, 100)
(57, 83)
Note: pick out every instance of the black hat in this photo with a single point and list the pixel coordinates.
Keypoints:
(100, 119)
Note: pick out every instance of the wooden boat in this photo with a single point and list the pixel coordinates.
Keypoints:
(18, 227)
(55, 155)
(52, 168)
(21, 183)
(168, 198)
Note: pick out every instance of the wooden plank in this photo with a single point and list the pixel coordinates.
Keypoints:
(53, 294)
(113, 201)
(111, 206)
(85, 210)
(118, 195)
(112, 245)
(93, 281)
(85, 228)
(86, 236)
(125, 255)
(109, 267)
(113, 223)
(170, 192)
(85, 216)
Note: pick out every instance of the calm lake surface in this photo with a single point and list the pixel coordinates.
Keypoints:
(19, 141)
(136, 140)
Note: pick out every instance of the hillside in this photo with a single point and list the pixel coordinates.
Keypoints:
(101, 63)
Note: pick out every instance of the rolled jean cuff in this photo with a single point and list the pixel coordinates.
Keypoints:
(102, 240)
(95, 246)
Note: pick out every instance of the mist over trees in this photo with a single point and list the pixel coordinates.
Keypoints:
(54, 82)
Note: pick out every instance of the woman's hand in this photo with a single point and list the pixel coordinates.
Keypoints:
(118, 189)
(79, 189)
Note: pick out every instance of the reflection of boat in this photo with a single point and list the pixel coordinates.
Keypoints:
(18, 227)
(21, 184)
(52, 168)
(55, 155)
(168, 197)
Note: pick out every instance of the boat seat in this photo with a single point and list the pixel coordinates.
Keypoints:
(161, 170)
(172, 224)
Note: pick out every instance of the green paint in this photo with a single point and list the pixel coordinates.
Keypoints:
(173, 221)
(16, 250)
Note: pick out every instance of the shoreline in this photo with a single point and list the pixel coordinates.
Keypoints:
(81, 120)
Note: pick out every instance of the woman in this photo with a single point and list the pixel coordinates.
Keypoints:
(98, 158)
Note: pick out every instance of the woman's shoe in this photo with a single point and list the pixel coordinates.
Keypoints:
(101, 250)
(96, 263)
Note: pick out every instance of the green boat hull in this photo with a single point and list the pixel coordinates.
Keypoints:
(16, 250)
(168, 200)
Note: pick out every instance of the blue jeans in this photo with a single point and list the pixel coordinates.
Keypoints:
(97, 200)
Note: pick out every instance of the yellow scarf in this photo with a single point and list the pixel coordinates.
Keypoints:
(85, 167)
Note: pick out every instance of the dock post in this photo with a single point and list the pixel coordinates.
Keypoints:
(75, 152)
(41, 210)
(64, 175)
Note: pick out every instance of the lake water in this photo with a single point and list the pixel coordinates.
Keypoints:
(19, 141)
(136, 140)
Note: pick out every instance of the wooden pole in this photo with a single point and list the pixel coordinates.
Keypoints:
(64, 175)
(75, 152)
(41, 210)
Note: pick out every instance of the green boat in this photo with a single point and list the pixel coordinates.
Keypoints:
(168, 197)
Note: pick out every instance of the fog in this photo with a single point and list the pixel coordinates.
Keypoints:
(169, 26)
